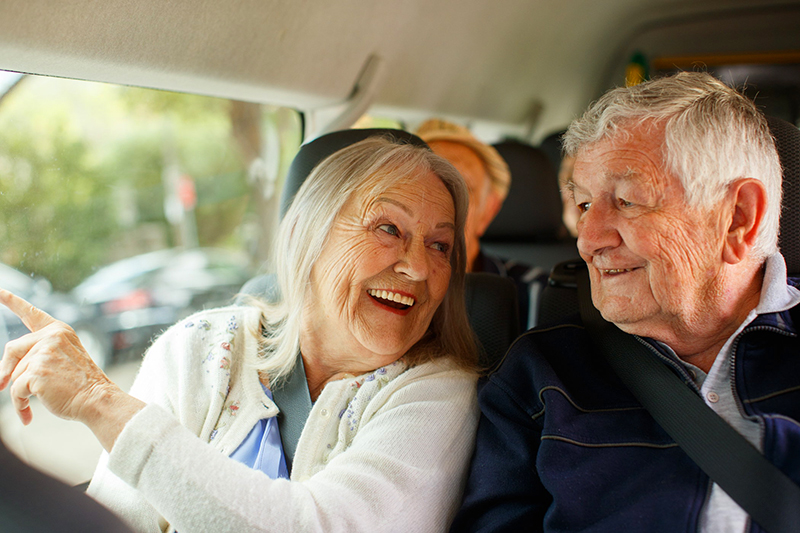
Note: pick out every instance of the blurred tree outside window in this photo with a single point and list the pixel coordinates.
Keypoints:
(91, 173)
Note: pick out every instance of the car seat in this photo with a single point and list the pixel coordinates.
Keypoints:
(528, 228)
(787, 141)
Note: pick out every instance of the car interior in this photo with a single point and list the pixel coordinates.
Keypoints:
(277, 76)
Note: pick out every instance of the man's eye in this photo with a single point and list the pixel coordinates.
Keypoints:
(391, 229)
(624, 203)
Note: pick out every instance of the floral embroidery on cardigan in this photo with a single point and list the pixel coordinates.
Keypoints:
(361, 392)
(220, 339)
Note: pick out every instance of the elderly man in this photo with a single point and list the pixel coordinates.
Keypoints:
(488, 180)
(679, 187)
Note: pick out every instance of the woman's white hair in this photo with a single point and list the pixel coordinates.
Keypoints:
(369, 167)
(713, 136)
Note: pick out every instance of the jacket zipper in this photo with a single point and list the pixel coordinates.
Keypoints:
(732, 371)
(681, 370)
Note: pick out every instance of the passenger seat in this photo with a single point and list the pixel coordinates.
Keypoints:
(528, 227)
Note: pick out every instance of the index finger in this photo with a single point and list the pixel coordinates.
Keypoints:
(33, 317)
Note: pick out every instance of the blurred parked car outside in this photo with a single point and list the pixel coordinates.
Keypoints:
(39, 292)
(135, 299)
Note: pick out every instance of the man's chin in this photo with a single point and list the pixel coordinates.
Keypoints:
(622, 315)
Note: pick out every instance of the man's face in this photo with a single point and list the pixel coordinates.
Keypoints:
(472, 169)
(654, 262)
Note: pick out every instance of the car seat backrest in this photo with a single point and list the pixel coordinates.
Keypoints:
(551, 146)
(787, 141)
(528, 228)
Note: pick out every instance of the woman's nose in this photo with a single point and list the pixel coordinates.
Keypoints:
(597, 230)
(414, 260)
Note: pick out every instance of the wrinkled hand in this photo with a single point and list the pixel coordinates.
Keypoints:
(49, 363)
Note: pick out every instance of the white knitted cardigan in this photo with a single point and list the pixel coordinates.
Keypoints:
(386, 451)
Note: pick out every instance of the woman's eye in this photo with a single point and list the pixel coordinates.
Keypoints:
(441, 246)
(391, 229)
(624, 203)
(584, 206)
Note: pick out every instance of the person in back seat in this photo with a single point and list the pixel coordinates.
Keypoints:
(679, 186)
(488, 180)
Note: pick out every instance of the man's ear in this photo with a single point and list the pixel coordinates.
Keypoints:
(493, 204)
(749, 203)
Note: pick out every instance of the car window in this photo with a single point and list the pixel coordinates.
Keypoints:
(123, 210)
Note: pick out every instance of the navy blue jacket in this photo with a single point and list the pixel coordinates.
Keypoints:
(562, 445)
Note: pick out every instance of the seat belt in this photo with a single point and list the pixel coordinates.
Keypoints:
(294, 402)
(768, 495)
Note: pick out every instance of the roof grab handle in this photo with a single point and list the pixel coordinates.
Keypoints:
(362, 95)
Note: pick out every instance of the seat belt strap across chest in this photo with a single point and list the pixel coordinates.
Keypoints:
(768, 495)
(294, 402)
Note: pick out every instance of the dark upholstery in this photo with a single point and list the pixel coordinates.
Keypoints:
(529, 227)
(787, 141)
(33, 502)
(493, 313)
(560, 299)
(491, 300)
(313, 152)
(551, 146)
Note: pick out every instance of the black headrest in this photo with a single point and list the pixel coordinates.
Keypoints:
(787, 141)
(314, 152)
(552, 147)
(532, 209)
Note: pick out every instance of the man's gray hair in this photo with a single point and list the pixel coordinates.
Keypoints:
(368, 167)
(713, 136)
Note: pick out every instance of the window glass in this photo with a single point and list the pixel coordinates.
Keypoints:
(371, 121)
(123, 210)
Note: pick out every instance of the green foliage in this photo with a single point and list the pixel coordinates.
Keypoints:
(52, 195)
(83, 166)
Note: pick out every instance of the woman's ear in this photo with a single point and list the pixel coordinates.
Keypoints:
(749, 203)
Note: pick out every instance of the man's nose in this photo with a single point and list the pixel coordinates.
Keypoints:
(414, 261)
(597, 230)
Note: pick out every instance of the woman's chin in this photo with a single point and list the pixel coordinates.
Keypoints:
(386, 349)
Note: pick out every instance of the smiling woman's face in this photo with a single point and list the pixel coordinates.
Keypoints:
(382, 274)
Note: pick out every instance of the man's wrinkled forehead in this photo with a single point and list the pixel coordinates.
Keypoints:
(630, 157)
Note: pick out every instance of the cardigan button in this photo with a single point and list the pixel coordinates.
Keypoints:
(325, 413)
(713, 397)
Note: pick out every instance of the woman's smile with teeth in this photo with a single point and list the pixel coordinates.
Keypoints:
(391, 297)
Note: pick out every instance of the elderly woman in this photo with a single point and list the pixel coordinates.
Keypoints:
(371, 269)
